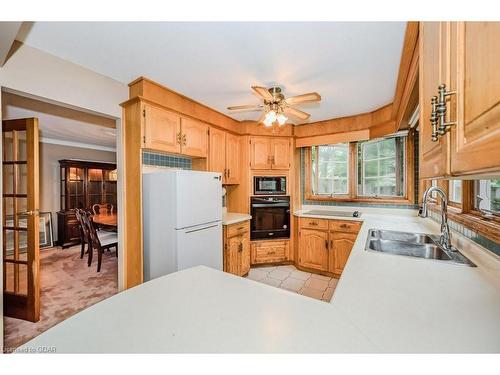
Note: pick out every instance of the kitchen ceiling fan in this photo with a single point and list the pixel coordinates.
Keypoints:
(276, 106)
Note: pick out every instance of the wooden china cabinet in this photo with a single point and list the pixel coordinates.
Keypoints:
(82, 184)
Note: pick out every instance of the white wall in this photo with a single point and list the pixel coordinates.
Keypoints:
(36, 73)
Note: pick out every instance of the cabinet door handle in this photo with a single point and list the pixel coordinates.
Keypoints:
(240, 247)
(326, 244)
(225, 173)
(228, 173)
(184, 139)
(331, 244)
(434, 119)
(179, 138)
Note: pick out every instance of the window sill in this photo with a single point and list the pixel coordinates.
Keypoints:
(402, 201)
(488, 228)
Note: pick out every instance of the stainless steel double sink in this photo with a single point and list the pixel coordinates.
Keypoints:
(419, 245)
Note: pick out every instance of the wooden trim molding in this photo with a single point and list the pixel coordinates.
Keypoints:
(408, 68)
(352, 136)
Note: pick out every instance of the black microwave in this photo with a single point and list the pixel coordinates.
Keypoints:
(269, 185)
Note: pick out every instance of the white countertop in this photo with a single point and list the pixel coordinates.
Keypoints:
(383, 303)
(229, 218)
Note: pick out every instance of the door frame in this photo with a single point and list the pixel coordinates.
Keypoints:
(120, 183)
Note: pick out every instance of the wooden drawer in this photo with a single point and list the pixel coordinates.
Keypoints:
(269, 251)
(345, 226)
(311, 223)
(237, 229)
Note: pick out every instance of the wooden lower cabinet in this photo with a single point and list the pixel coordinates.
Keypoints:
(237, 248)
(313, 249)
(270, 251)
(341, 244)
(326, 249)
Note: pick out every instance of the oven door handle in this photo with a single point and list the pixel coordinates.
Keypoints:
(256, 205)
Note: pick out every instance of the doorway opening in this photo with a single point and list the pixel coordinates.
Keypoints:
(74, 168)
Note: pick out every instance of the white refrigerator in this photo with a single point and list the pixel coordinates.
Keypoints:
(182, 221)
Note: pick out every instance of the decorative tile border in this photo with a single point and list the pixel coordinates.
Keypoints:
(165, 160)
(488, 244)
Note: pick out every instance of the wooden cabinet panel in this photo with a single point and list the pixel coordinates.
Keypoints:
(280, 153)
(476, 140)
(313, 249)
(345, 226)
(341, 244)
(245, 255)
(311, 223)
(217, 152)
(433, 160)
(269, 251)
(260, 153)
(194, 138)
(161, 130)
(237, 248)
(233, 151)
(232, 258)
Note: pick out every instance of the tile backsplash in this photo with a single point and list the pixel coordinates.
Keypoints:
(165, 160)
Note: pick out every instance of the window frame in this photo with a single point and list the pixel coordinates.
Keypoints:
(349, 161)
(465, 214)
(352, 196)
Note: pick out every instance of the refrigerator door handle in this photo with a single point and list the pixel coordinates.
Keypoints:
(197, 230)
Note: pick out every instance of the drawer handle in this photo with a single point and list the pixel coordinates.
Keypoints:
(313, 223)
(344, 226)
(271, 252)
(240, 228)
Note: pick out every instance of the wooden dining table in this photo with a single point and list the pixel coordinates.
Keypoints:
(106, 221)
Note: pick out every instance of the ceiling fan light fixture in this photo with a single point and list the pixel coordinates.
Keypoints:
(281, 118)
(270, 117)
(267, 122)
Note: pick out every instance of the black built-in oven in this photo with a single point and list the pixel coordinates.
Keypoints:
(270, 217)
(269, 185)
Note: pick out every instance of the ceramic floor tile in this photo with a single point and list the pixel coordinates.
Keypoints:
(313, 293)
(301, 275)
(293, 285)
(256, 274)
(288, 268)
(327, 295)
(333, 282)
(278, 274)
(272, 282)
(321, 277)
(317, 284)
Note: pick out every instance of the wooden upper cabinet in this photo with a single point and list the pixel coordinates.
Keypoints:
(341, 244)
(269, 153)
(313, 249)
(161, 129)
(476, 141)
(260, 153)
(217, 152)
(433, 160)
(280, 153)
(233, 151)
(194, 138)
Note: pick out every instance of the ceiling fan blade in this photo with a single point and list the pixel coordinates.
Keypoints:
(297, 113)
(309, 97)
(263, 92)
(247, 107)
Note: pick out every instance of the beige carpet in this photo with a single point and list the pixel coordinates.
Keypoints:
(67, 287)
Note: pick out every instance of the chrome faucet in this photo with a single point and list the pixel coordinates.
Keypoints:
(445, 239)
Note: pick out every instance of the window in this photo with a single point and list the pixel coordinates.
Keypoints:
(455, 191)
(381, 167)
(487, 195)
(330, 169)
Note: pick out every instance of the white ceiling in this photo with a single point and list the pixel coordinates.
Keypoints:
(58, 129)
(353, 65)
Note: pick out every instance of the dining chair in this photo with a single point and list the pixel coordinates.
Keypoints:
(100, 243)
(84, 234)
(102, 208)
